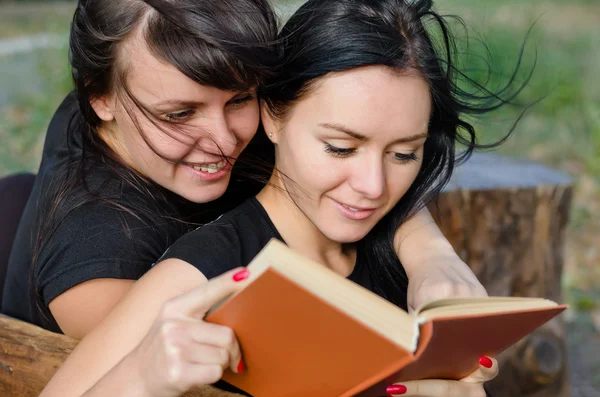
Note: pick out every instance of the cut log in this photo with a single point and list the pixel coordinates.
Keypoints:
(30, 355)
(506, 218)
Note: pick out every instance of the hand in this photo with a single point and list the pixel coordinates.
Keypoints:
(181, 350)
(443, 275)
(471, 386)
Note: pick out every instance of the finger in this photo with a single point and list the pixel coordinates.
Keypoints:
(207, 355)
(220, 337)
(197, 302)
(436, 388)
(488, 370)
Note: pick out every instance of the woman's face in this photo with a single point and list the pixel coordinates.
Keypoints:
(352, 148)
(211, 125)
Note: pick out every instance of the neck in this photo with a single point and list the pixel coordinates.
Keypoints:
(299, 232)
(108, 134)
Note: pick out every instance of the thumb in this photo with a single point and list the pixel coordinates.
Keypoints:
(197, 302)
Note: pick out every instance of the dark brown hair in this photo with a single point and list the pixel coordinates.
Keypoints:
(228, 44)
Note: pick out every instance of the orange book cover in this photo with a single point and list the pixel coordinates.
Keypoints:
(300, 339)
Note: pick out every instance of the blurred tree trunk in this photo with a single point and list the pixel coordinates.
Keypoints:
(506, 218)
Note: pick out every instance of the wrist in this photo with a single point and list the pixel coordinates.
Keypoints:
(418, 254)
(124, 379)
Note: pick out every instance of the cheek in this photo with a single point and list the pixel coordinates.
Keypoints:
(244, 123)
(148, 144)
(402, 181)
(305, 161)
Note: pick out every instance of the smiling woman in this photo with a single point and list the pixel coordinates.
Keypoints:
(164, 104)
(351, 148)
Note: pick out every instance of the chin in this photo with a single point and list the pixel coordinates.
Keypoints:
(204, 194)
(346, 236)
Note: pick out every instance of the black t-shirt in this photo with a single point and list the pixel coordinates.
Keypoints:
(119, 234)
(233, 240)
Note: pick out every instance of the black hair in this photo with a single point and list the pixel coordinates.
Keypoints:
(328, 36)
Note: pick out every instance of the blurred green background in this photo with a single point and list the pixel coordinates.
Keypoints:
(562, 131)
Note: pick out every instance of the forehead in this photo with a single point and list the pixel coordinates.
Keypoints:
(371, 99)
(152, 79)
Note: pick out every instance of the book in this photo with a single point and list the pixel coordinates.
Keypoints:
(306, 331)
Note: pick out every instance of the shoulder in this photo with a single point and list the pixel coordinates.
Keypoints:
(109, 226)
(60, 124)
(213, 248)
(230, 241)
(98, 241)
(68, 107)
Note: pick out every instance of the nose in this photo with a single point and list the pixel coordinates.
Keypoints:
(216, 137)
(368, 178)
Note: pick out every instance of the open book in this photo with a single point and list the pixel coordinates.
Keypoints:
(306, 331)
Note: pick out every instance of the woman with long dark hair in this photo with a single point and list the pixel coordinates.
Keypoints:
(162, 119)
(365, 115)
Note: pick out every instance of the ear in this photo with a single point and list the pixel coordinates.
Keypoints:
(104, 107)
(270, 123)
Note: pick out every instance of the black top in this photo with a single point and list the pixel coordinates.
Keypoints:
(233, 240)
(98, 238)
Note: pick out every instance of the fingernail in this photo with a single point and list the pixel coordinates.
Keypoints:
(396, 389)
(240, 367)
(486, 362)
(241, 275)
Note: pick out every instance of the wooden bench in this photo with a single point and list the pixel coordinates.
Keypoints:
(506, 218)
(30, 355)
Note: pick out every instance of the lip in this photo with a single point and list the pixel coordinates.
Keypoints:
(206, 176)
(360, 215)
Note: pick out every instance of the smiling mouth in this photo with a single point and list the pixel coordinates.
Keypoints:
(210, 168)
(356, 209)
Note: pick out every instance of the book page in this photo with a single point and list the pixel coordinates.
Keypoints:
(473, 306)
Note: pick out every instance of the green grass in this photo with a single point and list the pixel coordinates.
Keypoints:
(562, 130)
(33, 18)
(23, 123)
(34, 82)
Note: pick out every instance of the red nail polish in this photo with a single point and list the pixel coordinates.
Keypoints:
(241, 275)
(240, 367)
(486, 362)
(396, 389)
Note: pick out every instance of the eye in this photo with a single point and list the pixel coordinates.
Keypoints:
(179, 116)
(338, 152)
(404, 158)
(241, 99)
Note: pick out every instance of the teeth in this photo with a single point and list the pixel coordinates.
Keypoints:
(351, 209)
(211, 168)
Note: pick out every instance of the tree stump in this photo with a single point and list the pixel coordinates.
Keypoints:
(506, 218)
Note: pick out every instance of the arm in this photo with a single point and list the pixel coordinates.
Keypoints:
(80, 309)
(145, 345)
(433, 268)
(91, 262)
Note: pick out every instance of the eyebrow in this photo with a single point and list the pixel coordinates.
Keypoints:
(361, 137)
(177, 102)
(192, 103)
